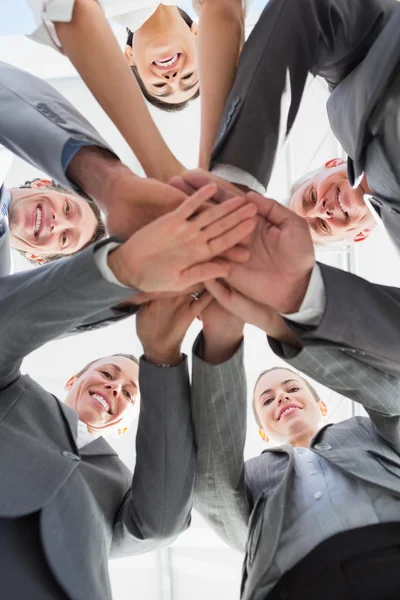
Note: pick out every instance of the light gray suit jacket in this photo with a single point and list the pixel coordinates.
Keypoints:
(245, 502)
(86, 501)
(36, 123)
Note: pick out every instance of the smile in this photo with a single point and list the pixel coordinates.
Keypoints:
(102, 401)
(288, 411)
(38, 221)
(341, 205)
(170, 62)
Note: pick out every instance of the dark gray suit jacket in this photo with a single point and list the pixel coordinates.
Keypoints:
(245, 502)
(36, 123)
(329, 38)
(64, 511)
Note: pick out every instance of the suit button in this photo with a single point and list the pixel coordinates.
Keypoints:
(70, 455)
(323, 446)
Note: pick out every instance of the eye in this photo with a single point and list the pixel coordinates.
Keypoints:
(188, 76)
(63, 239)
(128, 395)
(106, 374)
(313, 196)
(323, 225)
(267, 401)
(68, 208)
(293, 390)
(159, 85)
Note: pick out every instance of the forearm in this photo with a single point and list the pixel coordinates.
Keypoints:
(90, 44)
(219, 409)
(163, 482)
(220, 39)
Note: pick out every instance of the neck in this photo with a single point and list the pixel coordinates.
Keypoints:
(302, 439)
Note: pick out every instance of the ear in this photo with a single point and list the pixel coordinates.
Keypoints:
(194, 28)
(362, 235)
(128, 53)
(42, 183)
(263, 435)
(323, 408)
(69, 383)
(334, 162)
(41, 260)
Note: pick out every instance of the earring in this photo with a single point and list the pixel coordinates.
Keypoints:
(323, 408)
(122, 431)
(263, 435)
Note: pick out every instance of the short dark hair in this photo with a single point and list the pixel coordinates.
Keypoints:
(99, 233)
(86, 367)
(308, 384)
(166, 106)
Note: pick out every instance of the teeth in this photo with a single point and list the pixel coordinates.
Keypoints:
(341, 205)
(101, 401)
(38, 220)
(166, 63)
(288, 408)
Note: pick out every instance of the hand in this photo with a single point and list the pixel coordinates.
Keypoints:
(281, 260)
(162, 324)
(222, 333)
(129, 202)
(181, 248)
(263, 317)
(191, 181)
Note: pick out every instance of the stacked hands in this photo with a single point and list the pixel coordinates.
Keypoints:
(253, 257)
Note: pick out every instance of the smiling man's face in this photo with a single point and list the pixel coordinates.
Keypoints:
(44, 221)
(333, 209)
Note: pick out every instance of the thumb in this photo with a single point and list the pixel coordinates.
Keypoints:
(269, 208)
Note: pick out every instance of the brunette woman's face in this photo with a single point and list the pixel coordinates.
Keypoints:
(164, 54)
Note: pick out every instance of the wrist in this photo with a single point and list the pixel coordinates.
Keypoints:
(95, 170)
(117, 261)
(217, 351)
(173, 358)
(298, 289)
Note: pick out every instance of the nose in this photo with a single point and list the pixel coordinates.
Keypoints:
(57, 224)
(321, 208)
(115, 388)
(170, 75)
(283, 396)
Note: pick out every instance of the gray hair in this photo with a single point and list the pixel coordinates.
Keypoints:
(300, 181)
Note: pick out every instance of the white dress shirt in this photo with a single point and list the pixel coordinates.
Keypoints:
(129, 13)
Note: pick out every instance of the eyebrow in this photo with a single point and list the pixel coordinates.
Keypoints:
(283, 383)
(186, 89)
(120, 371)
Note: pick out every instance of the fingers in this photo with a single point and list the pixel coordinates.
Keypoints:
(197, 306)
(188, 208)
(179, 183)
(209, 270)
(220, 211)
(231, 238)
(198, 179)
(269, 208)
(229, 221)
(232, 300)
(237, 254)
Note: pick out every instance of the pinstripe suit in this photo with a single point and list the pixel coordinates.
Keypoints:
(245, 502)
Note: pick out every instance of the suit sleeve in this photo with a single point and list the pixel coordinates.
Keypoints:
(157, 508)
(360, 317)
(39, 305)
(355, 349)
(36, 122)
(219, 410)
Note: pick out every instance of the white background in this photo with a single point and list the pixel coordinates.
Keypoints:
(198, 565)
